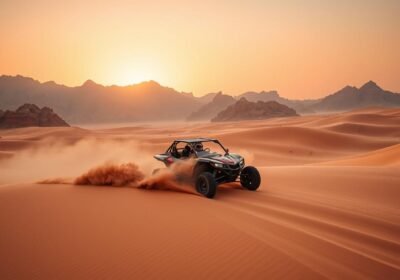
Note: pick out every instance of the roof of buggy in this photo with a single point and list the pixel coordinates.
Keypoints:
(195, 140)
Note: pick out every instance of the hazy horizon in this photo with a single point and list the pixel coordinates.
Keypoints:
(227, 93)
(302, 49)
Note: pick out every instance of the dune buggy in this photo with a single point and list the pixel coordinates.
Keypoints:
(214, 164)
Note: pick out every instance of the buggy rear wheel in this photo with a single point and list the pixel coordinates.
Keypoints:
(206, 184)
(250, 178)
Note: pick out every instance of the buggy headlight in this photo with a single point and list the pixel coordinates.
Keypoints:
(218, 165)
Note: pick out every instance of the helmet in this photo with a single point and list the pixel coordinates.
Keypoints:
(199, 147)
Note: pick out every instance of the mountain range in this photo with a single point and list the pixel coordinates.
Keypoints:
(150, 101)
(95, 103)
(349, 98)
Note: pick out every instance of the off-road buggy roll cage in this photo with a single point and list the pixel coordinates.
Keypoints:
(192, 142)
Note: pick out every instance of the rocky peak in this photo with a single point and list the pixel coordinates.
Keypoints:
(90, 83)
(30, 115)
(28, 108)
(371, 86)
(243, 100)
(271, 93)
(219, 97)
(246, 110)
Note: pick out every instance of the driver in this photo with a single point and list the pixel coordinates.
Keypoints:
(199, 147)
(187, 151)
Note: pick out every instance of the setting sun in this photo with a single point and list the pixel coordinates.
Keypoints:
(133, 72)
(124, 77)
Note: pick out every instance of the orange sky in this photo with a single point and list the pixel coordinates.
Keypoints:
(303, 49)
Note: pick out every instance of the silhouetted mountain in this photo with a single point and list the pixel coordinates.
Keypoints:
(149, 101)
(246, 110)
(30, 115)
(350, 98)
(206, 112)
(93, 103)
(90, 84)
(301, 106)
(207, 98)
(370, 87)
(260, 96)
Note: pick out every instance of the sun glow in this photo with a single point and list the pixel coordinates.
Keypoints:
(129, 77)
(133, 72)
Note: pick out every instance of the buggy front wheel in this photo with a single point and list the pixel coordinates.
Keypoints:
(206, 184)
(250, 178)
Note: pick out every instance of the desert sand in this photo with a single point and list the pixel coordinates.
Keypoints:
(328, 206)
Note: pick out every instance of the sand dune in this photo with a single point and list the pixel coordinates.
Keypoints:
(381, 157)
(328, 206)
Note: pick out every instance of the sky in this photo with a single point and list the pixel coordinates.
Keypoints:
(302, 49)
